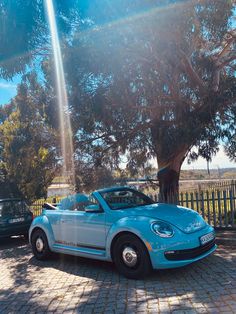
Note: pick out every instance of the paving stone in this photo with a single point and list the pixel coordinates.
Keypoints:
(68, 285)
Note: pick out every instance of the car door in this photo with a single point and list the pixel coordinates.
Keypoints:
(83, 229)
(54, 218)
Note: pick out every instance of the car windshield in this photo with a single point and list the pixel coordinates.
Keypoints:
(125, 198)
(13, 208)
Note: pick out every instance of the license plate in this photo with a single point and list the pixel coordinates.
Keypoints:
(14, 220)
(207, 238)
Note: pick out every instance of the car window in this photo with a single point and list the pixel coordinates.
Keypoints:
(121, 199)
(80, 206)
(13, 208)
(7, 209)
(76, 202)
(92, 200)
(77, 206)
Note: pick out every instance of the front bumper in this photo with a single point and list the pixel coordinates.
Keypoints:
(181, 250)
(181, 255)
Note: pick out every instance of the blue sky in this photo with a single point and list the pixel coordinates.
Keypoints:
(219, 161)
(8, 89)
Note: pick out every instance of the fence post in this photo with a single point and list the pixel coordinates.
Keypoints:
(219, 207)
(208, 208)
(192, 202)
(234, 196)
(225, 209)
(202, 203)
(186, 196)
(181, 199)
(231, 202)
(233, 183)
(213, 207)
(197, 201)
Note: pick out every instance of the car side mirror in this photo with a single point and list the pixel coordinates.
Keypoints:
(94, 208)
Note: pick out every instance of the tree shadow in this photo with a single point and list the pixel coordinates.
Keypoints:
(181, 289)
(68, 283)
(16, 252)
(12, 242)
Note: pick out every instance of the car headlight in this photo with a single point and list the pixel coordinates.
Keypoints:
(162, 229)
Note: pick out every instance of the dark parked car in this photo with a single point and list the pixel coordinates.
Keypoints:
(15, 217)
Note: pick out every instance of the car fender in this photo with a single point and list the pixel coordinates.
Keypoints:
(139, 226)
(43, 223)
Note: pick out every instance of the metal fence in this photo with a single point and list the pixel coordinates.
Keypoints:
(218, 207)
(37, 206)
(211, 186)
(221, 185)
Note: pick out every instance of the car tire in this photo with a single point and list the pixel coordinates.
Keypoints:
(40, 245)
(131, 257)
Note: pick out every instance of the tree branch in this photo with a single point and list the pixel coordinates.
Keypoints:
(229, 41)
(226, 62)
(216, 80)
(188, 69)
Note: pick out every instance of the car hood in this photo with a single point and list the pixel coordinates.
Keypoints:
(185, 219)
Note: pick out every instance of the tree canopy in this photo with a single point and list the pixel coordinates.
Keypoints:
(24, 32)
(29, 153)
(158, 82)
(145, 78)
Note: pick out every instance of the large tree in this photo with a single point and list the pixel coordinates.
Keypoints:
(28, 155)
(155, 79)
(145, 78)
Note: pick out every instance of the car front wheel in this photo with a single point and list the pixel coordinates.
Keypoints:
(40, 245)
(131, 257)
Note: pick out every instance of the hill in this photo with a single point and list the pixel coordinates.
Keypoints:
(202, 174)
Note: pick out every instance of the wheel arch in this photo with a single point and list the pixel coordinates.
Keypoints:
(34, 230)
(121, 233)
(44, 225)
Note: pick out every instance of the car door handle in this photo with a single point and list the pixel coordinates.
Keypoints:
(62, 220)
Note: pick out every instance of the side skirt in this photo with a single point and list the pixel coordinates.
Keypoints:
(96, 253)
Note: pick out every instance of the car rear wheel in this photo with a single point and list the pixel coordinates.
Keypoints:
(131, 257)
(40, 245)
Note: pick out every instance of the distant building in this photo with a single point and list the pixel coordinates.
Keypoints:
(59, 189)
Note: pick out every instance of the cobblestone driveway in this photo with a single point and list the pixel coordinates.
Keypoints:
(67, 284)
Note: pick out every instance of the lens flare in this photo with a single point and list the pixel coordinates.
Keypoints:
(63, 105)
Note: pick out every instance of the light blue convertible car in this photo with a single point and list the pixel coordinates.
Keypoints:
(124, 226)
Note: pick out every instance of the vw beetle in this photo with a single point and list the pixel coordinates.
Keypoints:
(124, 226)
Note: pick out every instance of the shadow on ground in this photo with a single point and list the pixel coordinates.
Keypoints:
(72, 283)
(12, 242)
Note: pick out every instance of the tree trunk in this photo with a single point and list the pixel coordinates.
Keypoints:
(169, 185)
(168, 177)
